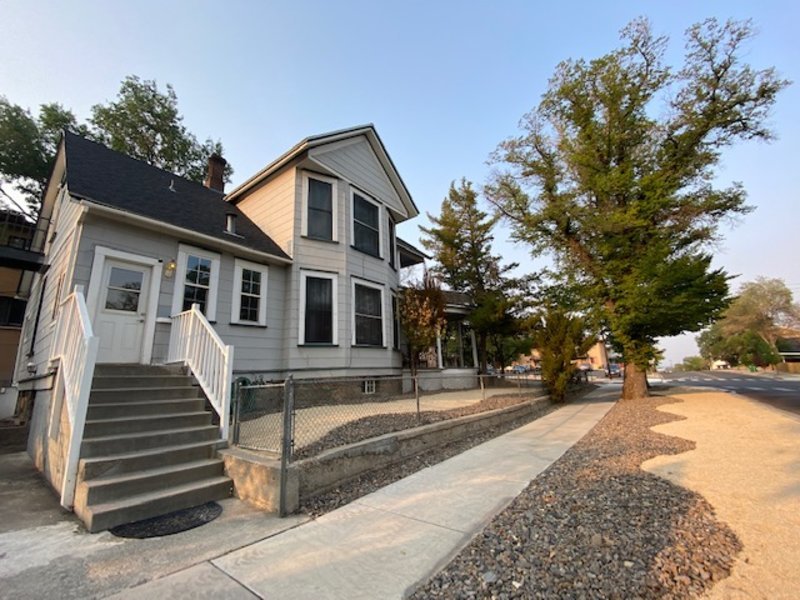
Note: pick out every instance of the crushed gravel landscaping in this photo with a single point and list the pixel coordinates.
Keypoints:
(595, 525)
(374, 480)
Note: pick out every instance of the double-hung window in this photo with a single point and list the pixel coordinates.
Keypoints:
(319, 207)
(317, 308)
(367, 314)
(249, 302)
(366, 224)
(196, 281)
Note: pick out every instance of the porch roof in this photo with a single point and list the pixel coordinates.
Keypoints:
(103, 176)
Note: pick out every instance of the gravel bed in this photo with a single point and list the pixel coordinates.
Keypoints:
(376, 425)
(369, 482)
(594, 525)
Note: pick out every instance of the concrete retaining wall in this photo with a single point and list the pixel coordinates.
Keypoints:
(256, 477)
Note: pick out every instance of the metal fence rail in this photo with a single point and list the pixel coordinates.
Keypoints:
(300, 418)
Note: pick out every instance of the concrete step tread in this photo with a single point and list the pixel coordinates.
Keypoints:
(106, 480)
(138, 499)
(149, 452)
(140, 434)
(158, 417)
(146, 389)
(134, 403)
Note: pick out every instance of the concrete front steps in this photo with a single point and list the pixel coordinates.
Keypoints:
(149, 447)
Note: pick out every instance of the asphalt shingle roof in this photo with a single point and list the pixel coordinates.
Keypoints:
(104, 176)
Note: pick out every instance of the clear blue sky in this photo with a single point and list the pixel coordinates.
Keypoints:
(443, 82)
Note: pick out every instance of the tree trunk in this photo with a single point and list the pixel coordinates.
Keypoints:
(482, 352)
(635, 384)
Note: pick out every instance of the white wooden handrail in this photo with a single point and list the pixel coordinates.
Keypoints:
(193, 341)
(74, 348)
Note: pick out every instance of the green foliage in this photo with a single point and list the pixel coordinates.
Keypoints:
(748, 331)
(692, 363)
(561, 339)
(142, 122)
(421, 313)
(145, 123)
(763, 306)
(28, 145)
(623, 196)
(460, 241)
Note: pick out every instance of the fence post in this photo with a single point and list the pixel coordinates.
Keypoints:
(519, 384)
(237, 410)
(288, 435)
(482, 381)
(416, 394)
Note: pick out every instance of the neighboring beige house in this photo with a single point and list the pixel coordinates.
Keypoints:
(16, 262)
(596, 358)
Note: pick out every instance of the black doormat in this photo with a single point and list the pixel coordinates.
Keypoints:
(169, 524)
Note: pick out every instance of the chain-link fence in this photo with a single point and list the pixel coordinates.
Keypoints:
(320, 414)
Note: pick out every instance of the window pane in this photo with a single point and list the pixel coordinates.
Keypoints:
(319, 311)
(365, 211)
(368, 301)
(122, 300)
(251, 282)
(392, 242)
(194, 295)
(368, 310)
(366, 239)
(368, 331)
(249, 309)
(125, 278)
(320, 195)
(320, 224)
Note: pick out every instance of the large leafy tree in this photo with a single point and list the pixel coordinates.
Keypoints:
(621, 189)
(142, 122)
(763, 306)
(28, 144)
(749, 329)
(460, 240)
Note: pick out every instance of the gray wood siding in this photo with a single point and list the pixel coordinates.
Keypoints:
(273, 206)
(356, 162)
(256, 348)
(58, 285)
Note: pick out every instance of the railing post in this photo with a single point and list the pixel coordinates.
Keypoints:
(286, 446)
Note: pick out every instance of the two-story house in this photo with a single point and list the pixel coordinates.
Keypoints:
(296, 271)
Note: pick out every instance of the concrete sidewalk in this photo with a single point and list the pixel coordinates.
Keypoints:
(383, 544)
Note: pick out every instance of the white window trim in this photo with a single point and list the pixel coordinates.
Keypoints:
(394, 260)
(236, 301)
(362, 282)
(371, 200)
(180, 279)
(305, 274)
(306, 175)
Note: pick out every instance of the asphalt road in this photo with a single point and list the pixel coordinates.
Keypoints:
(778, 390)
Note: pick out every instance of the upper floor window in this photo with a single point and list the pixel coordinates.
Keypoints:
(319, 207)
(12, 311)
(317, 308)
(196, 281)
(367, 314)
(366, 225)
(249, 303)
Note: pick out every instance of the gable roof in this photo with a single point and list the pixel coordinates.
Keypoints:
(106, 177)
(314, 141)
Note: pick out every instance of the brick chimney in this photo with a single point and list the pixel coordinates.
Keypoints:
(215, 175)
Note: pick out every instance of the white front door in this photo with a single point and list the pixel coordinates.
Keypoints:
(121, 311)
